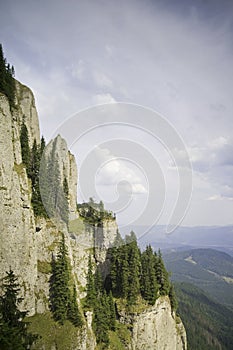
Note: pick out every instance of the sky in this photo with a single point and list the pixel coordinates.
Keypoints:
(171, 57)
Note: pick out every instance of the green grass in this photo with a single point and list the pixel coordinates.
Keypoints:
(53, 335)
(19, 169)
(76, 226)
(44, 266)
(140, 306)
(120, 339)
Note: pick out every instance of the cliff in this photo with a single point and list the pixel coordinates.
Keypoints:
(28, 242)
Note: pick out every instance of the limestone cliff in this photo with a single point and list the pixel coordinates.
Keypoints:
(157, 328)
(27, 243)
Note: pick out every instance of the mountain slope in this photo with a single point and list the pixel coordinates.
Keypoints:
(207, 269)
(209, 325)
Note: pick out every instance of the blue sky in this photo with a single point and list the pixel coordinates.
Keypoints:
(174, 57)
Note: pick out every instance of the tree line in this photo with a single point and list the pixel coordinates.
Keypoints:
(134, 276)
(7, 81)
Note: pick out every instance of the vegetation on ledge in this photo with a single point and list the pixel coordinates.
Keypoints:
(7, 81)
(94, 213)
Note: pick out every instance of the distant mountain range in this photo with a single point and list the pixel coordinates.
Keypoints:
(184, 238)
(204, 286)
(208, 269)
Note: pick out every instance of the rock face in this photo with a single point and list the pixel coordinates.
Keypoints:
(157, 329)
(17, 224)
(27, 243)
(67, 169)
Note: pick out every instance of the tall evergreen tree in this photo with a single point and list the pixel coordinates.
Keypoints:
(112, 312)
(149, 285)
(25, 149)
(172, 297)
(14, 333)
(73, 313)
(134, 272)
(7, 82)
(101, 320)
(59, 284)
(162, 275)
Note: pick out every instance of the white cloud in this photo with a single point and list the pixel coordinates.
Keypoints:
(103, 98)
(115, 171)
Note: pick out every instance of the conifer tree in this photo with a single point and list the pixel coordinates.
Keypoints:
(149, 285)
(14, 333)
(112, 312)
(73, 313)
(59, 284)
(101, 319)
(25, 149)
(115, 267)
(162, 275)
(98, 282)
(134, 263)
(42, 145)
(172, 297)
(7, 82)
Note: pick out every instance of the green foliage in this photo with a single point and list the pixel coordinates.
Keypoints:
(209, 325)
(52, 334)
(133, 273)
(149, 284)
(173, 298)
(94, 213)
(207, 269)
(63, 304)
(31, 159)
(25, 149)
(44, 267)
(162, 275)
(101, 319)
(34, 170)
(7, 82)
(73, 313)
(14, 334)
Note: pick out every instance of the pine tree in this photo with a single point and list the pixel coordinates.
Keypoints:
(25, 149)
(14, 333)
(59, 284)
(172, 297)
(2, 70)
(98, 282)
(73, 313)
(112, 312)
(162, 275)
(134, 271)
(7, 82)
(101, 319)
(115, 267)
(42, 145)
(123, 272)
(149, 285)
